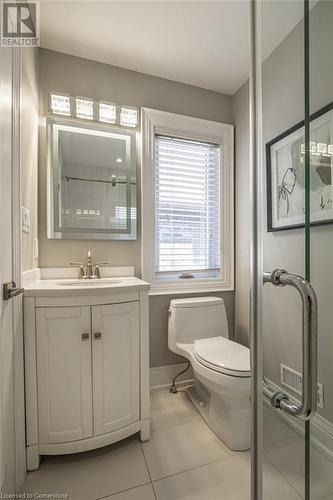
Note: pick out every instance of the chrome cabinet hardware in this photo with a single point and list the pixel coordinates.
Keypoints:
(308, 406)
(85, 336)
(10, 290)
(97, 335)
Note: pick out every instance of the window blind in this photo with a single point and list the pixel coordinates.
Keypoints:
(187, 208)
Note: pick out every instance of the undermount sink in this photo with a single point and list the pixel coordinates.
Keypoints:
(90, 282)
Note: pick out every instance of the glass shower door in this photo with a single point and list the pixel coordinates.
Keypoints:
(287, 298)
(296, 240)
(320, 251)
(283, 244)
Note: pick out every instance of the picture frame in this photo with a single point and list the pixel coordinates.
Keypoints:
(286, 174)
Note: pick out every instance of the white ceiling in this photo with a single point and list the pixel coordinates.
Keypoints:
(202, 43)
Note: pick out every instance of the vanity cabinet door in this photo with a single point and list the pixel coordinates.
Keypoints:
(64, 374)
(116, 374)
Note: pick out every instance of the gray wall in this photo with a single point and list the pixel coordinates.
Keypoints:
(283, 107)
(29, 118)
(76, 76)
(240, 103)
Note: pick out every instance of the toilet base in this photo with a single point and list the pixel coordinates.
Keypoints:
(229, 420)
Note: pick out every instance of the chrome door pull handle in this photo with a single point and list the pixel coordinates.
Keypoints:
(308, 406)
(10, 290)
(85, 337)
(98, 335)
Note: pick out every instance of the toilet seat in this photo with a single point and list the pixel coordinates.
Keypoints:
(223, 355)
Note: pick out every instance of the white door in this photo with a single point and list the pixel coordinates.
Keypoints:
(12, 429)
(64, 374)
(116, 374)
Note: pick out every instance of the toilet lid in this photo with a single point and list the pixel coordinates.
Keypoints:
(223, 355)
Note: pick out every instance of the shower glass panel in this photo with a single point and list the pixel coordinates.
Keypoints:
(321, 239)
(284, 241)
(297, 138)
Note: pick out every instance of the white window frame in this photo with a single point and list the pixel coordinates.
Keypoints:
(154, 122)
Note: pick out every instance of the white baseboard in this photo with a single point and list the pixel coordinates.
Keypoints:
(321, 433)
(161, 376)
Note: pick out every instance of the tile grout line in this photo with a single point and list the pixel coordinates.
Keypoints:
(277, 444)
(122, 491)
(151, 481)
(154, 490)
(284, 477)
(194, 468)
(198, 419)
(329, 496)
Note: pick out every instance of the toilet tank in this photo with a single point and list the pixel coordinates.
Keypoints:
(196, 318)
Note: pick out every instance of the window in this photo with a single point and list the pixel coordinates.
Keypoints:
(187, 203)
(187, 208)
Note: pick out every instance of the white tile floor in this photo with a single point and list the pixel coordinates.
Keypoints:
(183, 460)
(287, 457)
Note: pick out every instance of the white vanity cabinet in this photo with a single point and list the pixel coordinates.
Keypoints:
(87, 368)
(116, 366)
(64, 386)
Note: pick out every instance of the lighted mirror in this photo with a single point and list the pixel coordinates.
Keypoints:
(91, 181)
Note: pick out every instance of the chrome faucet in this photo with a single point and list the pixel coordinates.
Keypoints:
(91, 270)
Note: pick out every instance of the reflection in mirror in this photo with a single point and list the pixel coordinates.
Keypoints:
(92, 181)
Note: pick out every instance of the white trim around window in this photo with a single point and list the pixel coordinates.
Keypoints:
(154, 122)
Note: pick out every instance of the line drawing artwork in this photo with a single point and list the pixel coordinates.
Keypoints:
(286, 175)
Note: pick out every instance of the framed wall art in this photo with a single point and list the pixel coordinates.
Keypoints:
(285, 161)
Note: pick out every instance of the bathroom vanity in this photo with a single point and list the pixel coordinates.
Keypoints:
(86, 364)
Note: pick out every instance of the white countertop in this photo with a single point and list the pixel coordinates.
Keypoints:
(72, 287)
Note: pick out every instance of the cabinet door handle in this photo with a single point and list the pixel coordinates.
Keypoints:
(98, 335)
(85, 336)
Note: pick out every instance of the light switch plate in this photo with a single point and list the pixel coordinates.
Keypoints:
(1, 300)
(26, 220)
(36, 248)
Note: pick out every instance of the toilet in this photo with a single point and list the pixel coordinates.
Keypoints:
(198, 330)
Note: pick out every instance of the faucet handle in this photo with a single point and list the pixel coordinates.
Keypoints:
(82, 273)
(97, 269)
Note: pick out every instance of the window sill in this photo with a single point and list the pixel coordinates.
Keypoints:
(189, 288)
